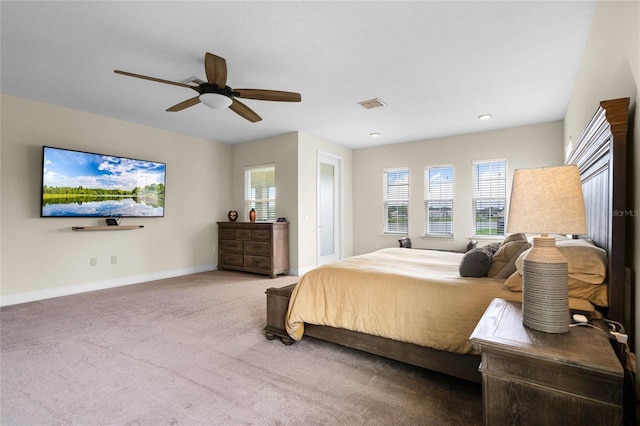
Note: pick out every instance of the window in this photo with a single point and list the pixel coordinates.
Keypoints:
(260, 192)
(438, 200)
(489, 197)
(396, 201)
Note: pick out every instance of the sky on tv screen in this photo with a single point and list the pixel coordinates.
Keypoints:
(74, 169)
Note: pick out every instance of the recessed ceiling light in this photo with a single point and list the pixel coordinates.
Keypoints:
(484, 116)
(374, 135)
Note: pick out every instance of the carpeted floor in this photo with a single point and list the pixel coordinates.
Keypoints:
(190, 351)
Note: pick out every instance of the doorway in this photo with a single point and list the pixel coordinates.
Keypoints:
(329, 208)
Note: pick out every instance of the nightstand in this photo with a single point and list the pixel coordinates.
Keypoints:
(535, 378)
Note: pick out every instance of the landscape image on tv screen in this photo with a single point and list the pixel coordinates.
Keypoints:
(83, 184)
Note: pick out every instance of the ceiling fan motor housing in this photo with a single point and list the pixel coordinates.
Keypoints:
(214, 88)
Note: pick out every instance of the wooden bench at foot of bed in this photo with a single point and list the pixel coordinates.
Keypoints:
(464, 366)
(277, 306)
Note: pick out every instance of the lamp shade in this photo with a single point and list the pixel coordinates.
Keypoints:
(547, 200)
(215, 100)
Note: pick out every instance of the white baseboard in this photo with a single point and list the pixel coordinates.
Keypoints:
(32, 296)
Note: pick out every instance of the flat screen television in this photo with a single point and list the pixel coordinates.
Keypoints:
(84, 184)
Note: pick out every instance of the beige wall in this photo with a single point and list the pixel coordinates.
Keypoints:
(42, 257)
(309, 149)
(610, 69)
(295, 157)
(610, 66)
(522, 147)
(281, 150)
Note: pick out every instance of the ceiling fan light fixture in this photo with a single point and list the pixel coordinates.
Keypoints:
(215, 100)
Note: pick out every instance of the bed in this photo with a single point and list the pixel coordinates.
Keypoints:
(437, 308)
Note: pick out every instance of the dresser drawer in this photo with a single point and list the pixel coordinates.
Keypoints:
(529, 404)
(257, 262)
(262, 234)
(226, 234)
(243, 234)
(500, 367)
(231, 246)
(230, 259)
(256, 247)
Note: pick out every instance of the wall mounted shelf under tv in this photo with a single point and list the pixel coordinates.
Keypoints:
(106, 228)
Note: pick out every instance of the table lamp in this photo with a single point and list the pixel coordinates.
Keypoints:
(544, 201)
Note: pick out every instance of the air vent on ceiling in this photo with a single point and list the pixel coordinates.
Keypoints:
(372, 103)
(194, 80)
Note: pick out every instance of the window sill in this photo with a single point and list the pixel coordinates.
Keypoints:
(438, 237)
(487, 237)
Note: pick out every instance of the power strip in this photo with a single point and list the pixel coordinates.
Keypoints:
(620, 337)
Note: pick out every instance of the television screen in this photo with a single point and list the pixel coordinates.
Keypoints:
(83, 184)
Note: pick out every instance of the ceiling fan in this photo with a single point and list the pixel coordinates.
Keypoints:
(216, 94)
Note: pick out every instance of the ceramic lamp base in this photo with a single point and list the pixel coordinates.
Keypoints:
(545, 290)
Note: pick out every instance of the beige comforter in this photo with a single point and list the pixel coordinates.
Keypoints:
(414, 296)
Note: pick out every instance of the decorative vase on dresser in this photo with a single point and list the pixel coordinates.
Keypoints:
(261, 247)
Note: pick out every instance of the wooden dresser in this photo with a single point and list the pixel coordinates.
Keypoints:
(535, 378)
(259, 247)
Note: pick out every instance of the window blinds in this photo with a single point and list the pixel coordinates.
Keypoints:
(260, 192)
(438, 200)
(396, 201)
(489, 197)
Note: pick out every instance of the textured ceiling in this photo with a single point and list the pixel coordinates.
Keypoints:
(436, 65)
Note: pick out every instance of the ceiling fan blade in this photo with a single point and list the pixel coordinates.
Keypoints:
(244, 111)
(268, 95)
(159, 80)
(185, 104)
(216, 70)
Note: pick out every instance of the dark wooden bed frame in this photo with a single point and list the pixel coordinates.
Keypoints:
(600, 154)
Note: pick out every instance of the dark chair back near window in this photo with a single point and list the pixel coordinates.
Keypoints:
(405, 242)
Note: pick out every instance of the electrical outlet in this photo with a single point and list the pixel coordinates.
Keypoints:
(93, 261)
(114, 260)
